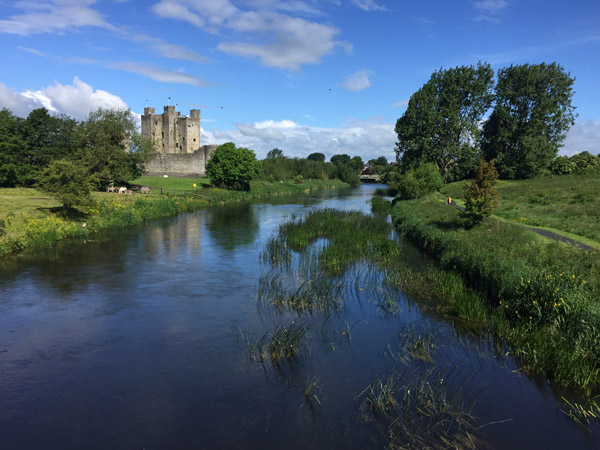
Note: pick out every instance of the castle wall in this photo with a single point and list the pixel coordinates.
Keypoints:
(181, 164)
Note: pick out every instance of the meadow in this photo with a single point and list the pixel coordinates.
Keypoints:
(567, 204)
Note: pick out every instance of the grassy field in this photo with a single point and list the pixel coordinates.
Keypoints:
(29, 218)
(569, 203)
(182, 184)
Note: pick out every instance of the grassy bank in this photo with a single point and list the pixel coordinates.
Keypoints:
(568, 203)
(543, 295)
(31, 219)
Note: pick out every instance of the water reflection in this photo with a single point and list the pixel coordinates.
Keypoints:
(232, 226)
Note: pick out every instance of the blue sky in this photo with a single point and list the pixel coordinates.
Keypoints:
(329, 76)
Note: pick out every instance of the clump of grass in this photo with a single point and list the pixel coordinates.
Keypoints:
(584, 413)
(415, 344)
(380, 206)
(281, 346)
(421, 413)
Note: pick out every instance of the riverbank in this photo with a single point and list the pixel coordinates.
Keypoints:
(543, 295)
(31, 219)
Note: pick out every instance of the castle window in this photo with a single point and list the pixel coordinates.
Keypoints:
(156, 122)
(183, 139)
(194, 139)
(163, 134)
(176, 144)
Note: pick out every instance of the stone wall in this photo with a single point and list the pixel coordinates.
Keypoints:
(181, 164)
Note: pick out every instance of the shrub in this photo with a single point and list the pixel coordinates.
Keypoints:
(298, 179)
(585, 162)
(562, 165)
(481, 199)
(418, 182)
(232, 168)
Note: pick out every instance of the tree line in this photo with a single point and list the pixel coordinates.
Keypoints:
(106, 148)
(461, 116)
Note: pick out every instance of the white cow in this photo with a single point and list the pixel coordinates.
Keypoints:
(122, 190)
(145, 190)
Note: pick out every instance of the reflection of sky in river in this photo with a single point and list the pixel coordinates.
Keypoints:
(134, 343)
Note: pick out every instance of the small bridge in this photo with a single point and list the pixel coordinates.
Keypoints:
(370, 178)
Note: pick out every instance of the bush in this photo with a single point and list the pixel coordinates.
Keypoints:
(232, 168)
(585, 162)
(418, 182)
(69, 183)
(481, 199)
(298, 179)
(562, 165)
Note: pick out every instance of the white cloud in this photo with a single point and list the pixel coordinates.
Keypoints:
(369, 139)
(358, 80)
(75, 100)
(583, 136)
(159, 74)
(368, 5)
(401, 103)
(52, 17)
(261, 31)
(489, 10)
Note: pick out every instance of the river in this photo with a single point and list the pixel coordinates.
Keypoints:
(137, 342)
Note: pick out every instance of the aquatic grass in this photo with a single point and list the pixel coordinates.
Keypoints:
(380, 206)
(280, 346)
(583, 413)
(421, 409)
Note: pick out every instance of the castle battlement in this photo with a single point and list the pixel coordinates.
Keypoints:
(172, 132)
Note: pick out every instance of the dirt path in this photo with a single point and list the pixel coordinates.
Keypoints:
(545, 233)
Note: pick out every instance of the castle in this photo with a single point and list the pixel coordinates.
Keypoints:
(177, 140)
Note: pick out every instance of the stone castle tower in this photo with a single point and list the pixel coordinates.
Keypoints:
(172, 132)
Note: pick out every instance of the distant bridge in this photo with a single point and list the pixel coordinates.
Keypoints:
(370, 178)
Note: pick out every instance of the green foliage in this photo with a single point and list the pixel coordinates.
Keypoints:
(233, 168)
(481, 199)
(585, 162)
(380, 206)
(532, 115)
(340, 160)
(381, 161)
(111, 147)
(348, 174)
(562, 165)
(275, 153)
(418, 182)
(441, 122)
(318, 157)
(70, 183)
(299, 179)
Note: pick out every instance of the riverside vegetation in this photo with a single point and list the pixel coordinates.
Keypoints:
(542, 295)
(30, 219)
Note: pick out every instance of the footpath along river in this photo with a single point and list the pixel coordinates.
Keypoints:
(140, 342)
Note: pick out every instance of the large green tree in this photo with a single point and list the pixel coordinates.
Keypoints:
(232, 167)
(111, 147)
(70, 183)
(441, 123)
(532, 115)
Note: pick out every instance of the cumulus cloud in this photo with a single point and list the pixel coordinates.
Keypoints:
(265, 30)
(583, 136)
(358, 80)
(75, 100)
(52, 17)
(369, 139)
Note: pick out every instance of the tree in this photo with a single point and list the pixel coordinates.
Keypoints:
(340, 160)
(532, 115)
(275, 153)
(585, 162)
(232, 168)
(441, 123)
(318, 157)
(14, 170)
(111, 147)
(381, 161)
(68, 182)
(481, 199)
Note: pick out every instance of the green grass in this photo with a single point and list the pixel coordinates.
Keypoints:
(568, 203)
(175, 183)
(543, 295)
(29, 218)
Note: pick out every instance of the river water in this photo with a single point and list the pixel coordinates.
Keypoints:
(137, 342)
